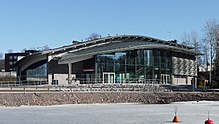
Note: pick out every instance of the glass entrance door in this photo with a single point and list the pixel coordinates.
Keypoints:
(109, 78)
(165, 78)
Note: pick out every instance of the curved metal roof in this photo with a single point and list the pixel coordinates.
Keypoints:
(111, 44)
(103, 40)
(118, 46)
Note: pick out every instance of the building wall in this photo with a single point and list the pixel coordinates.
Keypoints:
(187, 64)
(184, 69)
(60, 79)
(13, 73)
(12, 58)
(182, 80)
(179, 80)
(57, 72)
(2, 65)
(184, 66)
(77, 68)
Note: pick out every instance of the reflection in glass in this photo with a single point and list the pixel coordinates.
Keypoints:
(135, 66)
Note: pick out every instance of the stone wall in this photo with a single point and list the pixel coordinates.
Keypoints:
(44, 99)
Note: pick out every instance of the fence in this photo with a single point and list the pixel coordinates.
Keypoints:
(22, 83)
(84, 87)
(84, 84)
(2, 74)
(44, 81)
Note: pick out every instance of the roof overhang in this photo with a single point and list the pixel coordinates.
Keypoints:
(119, 46)
(106, 45)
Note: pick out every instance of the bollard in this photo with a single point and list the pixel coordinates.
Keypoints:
(209, 121)
(176, 118)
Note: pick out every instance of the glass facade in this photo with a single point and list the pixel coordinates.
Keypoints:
(38, 73)
(134, 66)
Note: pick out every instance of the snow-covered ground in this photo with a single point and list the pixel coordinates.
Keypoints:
(188, 112)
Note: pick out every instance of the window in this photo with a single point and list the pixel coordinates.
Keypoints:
(15, 57)
(10, 57)
(135, 65)
(12, 69)
(10, 63)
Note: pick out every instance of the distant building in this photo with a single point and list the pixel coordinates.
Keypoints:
(112, 59)
(12, 58)
(2, 65)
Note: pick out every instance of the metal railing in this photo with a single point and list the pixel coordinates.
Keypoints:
(115, 81)
(81, 81)
(44, 87)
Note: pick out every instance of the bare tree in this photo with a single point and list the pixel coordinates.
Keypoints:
(210, 39)
(186, 39)
(216, 69)
(193, 40)
(33, 48)
(10, 51)
(1, 56)
(205, 50)
(23, 50)
(93, 36)
(46, 47)
(1, 62)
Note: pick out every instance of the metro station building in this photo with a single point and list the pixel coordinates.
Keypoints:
(112, 59)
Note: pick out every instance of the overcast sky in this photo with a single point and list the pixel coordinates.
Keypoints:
(36, 23)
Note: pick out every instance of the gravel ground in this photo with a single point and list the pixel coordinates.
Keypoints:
(45, 99)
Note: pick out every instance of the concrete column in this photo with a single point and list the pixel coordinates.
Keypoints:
(69, 73)
(95, 76)
(18, 81)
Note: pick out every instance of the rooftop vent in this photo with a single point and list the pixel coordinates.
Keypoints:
(31, 51)
(173, 41)
(75, 42)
